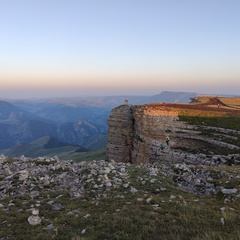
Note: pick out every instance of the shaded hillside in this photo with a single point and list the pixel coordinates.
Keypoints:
(45, 146)
(18, 126)
(9, 112)
(14, 132)
(61, 113)
(95, 142)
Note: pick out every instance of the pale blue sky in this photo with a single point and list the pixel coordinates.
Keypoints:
(112, 47)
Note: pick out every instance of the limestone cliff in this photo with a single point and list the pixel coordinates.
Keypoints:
(120, 137)
(137, 134)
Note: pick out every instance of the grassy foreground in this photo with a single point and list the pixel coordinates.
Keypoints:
(158, 210)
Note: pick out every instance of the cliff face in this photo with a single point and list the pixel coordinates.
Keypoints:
(151, 127)
(137, 134)
(120, 137)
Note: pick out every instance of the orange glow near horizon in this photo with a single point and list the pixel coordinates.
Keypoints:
(116, 80)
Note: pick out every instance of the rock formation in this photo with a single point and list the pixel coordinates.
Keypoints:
(93, 178)
(120, 139)
(137, 134)
(34, 219)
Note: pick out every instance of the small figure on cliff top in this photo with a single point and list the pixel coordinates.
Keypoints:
(164, 104)
(167, 140)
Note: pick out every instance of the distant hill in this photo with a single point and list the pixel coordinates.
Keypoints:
(9, 112)
(45, 146)
(174, 97)
(97, 104)
(20, 126)
(65, 123)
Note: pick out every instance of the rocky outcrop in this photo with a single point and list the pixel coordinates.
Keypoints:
(42, 176)
(120, 140)
(137, 134)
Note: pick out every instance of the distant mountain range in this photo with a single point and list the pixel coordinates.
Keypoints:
(85, 103)
(48, 127)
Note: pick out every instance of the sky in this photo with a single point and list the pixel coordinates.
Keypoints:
(69, 48)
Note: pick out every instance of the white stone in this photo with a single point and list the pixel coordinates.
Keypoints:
(133, 190)
(148, 200)
(229, 190)
(172, 197)
(87, 215)
(23, 175)
(34, 219)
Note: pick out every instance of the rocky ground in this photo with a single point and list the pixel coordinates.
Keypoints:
(23, 175)
(35, 181)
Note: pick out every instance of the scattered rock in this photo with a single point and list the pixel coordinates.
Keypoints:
(34, 219)
(133, 190)
(99, 177)
(229, 191)
(57, 207)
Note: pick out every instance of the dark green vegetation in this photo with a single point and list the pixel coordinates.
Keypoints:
(170, 214)
(48, 146)
(217, 119)
(225, 129)
(228, 122)
(84, 156)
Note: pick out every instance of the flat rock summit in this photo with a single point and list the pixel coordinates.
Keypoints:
(137, 133)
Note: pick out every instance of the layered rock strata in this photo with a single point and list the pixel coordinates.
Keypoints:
(137, 134)
(120, 141)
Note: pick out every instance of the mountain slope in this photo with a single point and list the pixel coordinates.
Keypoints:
(10, 112)
(45, 146)
(18, 126)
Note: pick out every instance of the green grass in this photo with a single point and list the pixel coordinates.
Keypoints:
(202, 125)
(85, 156)
(121, 216)
(209, 150)
(220, 122)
